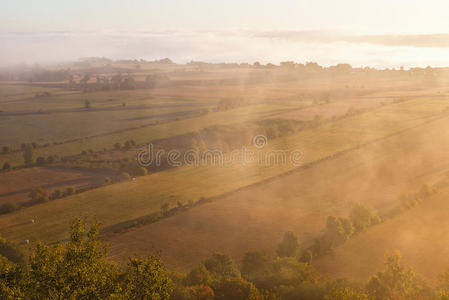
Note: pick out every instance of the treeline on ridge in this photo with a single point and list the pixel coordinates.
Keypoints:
(79, 269)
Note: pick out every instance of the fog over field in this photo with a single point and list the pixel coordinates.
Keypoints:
(224, 150)
(239, 45)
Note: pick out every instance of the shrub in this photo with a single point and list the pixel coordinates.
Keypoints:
(289, 245)
(164, 209)
(147, 279)
(425, 191)
(397, 281)
(40, 160)
(346, 293)
(201, 292)
(38, 195)
(198, 276)
(221, 266)
(289, 271)
(408, 201)
(125, 176)
(336, 232)
(255, 265)
(70, 191)
(203, 200)
(28, 155)
(8, 207)
(235, 288)
(56, 194)
(142, 171)
(363, 216)
(10, 251)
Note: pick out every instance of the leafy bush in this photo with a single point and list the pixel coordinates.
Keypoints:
(11, 251)
(40, 160)
(28, 155)
(234, 288)
(289, 246)
(78, 269)
(397, 281)
(125, 176)
(362, 216)
(38, 195)
(8, 207)
(221, 266)
(198, 276)
(69, 191)
(56, 194)
(142, 171)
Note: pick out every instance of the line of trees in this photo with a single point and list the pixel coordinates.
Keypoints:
(79, 269)
(115, 82)
(36, 196)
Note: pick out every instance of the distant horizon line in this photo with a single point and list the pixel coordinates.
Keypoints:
(173, 62)
(329, 47)
(421, 40)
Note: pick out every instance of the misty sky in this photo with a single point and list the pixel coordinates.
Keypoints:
(378, 33)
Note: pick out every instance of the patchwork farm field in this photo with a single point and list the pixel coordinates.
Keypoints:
(191, 183)
(170, 150)
(147, 133)
(363, 136)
